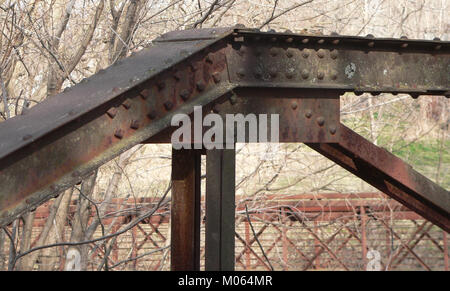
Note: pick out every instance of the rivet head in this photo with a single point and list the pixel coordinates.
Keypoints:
(273, 39)
(294, 105)
(241, 73)
(151, 115)
(273, 72)
(289, 40)
(305, 74)
(144, 94)
(184, 94)
(332, 129)
(305, 40)
(321, 53)
(200, 85)
(118, 134)
(112, 112)
(161, 85)
(290, 74)
(126, 104)
(320, 120)
(168, 105)
(336, 41)
(334, 54)
(134, 124)
(233, 99)
(208, 58)
(320, 75)
(308, 113)
(320, 41)
(273, 52)
(177, 75)
(371, 44)
(289, 53)
(305, 53)
(216, 77)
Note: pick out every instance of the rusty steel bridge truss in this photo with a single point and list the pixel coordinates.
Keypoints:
(227, 70)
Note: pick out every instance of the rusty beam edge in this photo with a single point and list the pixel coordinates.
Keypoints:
(397, 179)
(67, 180)
(342, 89)
(436, 45)
(78, 103)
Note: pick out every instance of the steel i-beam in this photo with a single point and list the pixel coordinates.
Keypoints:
(185, 211)
(220, 210)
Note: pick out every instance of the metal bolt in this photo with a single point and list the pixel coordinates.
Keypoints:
(168, 105)
(208, 58)
(289, 53)
(308, 113)
(160, 85)
(404, 45)
(321, 53)
(112, 112)
(273, 72)
(258, 75)
(200, 85)
(332, 129)
(305, 40)
(320, 41)
(336, 41)
(126, 104)
(273, 52)
(151, 115)
(305, 53)
(320, 120)
(294, 105)
(134, 124)
(177, 75)
(290, 74)
(289, 40)
(118, 133)
(334, 54)
(371, 44)
(184, 94)
(305, 74)
(320, 75)
(233, 99)
(216, 77)
(241, 73)
(144, 94)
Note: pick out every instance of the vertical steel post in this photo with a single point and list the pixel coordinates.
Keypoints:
(185, 211)
(220, 210)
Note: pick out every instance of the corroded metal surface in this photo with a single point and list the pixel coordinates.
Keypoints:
(229, 70)
(390, 175)
(49, 149)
